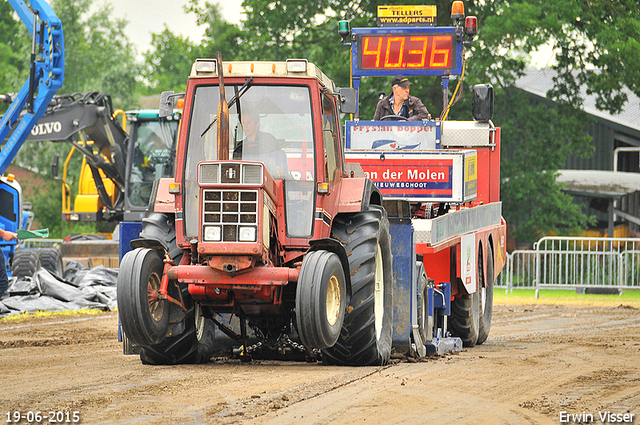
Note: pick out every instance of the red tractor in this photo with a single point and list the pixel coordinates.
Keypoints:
(265, 222)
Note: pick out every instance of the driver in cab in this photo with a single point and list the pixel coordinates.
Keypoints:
(400, 103)
(261, 146)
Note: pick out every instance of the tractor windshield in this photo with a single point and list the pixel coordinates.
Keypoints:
(269, 124)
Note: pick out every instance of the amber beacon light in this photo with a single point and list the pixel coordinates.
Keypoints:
(457, 10)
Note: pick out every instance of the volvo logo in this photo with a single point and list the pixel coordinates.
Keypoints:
(46, 128)
(231, 173)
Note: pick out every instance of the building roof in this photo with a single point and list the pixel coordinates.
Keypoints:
(540, 81)
(599, 184)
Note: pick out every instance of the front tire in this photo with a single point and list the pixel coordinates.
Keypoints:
(366, 334)
(320, 299)
(191, 340)
(144, 318)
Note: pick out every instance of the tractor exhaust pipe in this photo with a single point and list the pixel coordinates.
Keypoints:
(223, 116)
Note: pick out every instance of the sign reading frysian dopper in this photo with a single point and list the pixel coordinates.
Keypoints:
(371, 135)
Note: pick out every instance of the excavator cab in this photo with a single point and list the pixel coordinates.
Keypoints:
(116, 180)
(151, 156)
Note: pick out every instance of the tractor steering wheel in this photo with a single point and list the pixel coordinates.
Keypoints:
(393, 117)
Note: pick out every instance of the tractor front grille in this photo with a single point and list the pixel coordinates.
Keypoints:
(233, 212)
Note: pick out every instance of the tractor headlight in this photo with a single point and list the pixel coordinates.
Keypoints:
(212, 233)
(247, 234)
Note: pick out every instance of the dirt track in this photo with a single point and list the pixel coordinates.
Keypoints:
(539, 361)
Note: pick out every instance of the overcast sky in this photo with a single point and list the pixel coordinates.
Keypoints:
(149, 16)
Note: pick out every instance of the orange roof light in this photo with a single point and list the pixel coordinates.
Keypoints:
(457, 10)
(180, 103)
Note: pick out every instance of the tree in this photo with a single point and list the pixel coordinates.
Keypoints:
(537, 138)
(98, 55)
(220, 35)
(14, 51)
(596, 46)
(596, 43)
(169, 62)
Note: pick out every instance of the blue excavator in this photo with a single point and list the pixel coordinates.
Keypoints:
(27, 107)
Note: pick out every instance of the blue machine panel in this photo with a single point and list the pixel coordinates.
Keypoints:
(128, 232)
(402, 249)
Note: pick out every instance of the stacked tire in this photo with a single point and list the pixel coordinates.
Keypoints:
(26, 262)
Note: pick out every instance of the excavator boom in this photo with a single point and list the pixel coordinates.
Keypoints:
(46, 77)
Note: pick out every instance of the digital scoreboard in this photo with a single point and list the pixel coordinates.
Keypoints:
(421, 52)
(406, 52)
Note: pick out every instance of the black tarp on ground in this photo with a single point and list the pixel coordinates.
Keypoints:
(80, 288)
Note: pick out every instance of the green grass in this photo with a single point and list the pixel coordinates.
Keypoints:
(17, 318)
(630, 297)
(566, 297)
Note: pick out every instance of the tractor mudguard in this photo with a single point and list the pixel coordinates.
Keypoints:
(147, 243)
(333, 245)
(358, 194)
(371, 195)
(161, 200)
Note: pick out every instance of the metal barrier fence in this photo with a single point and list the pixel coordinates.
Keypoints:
(39, 243)
(519, 270)
(568, 262)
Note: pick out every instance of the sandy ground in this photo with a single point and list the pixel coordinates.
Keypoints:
(540, 364)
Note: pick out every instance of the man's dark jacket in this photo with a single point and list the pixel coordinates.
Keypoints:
(417, 111)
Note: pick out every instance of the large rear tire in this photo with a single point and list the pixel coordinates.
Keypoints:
(321, 298)
(465, 313)
(26, 262)
(144, 317)
(366, 334)
(486, 300)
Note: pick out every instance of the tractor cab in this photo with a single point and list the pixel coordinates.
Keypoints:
(279, 152)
